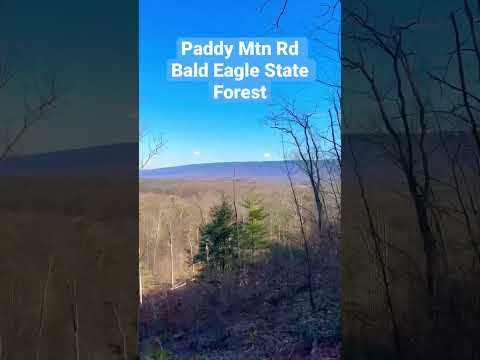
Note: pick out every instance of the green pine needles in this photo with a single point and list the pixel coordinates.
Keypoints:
(217, 243)
(223, 240)
(253, 232)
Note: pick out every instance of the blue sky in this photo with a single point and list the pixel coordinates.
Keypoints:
(198, 130)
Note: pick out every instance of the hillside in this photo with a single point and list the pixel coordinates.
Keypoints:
(253, 170)
(105, 160)
(116, 159)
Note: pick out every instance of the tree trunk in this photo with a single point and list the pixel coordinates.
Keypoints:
(170, 234)
(191, 253)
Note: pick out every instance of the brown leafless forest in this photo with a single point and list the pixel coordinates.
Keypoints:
(274, 291)
(259, 309)
(410, 181)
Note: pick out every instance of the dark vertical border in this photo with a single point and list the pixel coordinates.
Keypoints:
(410, 180)
(68, 179)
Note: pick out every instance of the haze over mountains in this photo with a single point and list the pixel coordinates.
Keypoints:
(248, 170)
(106, 160)
(116, 159)
(255, 170)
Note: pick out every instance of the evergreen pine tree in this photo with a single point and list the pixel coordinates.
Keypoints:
(254, 231)
(216, 245)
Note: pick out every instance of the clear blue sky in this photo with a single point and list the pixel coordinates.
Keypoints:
(196, 129)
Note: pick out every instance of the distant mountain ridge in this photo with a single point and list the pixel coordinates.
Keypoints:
(103, 160)
(120, 159)
(248, 170)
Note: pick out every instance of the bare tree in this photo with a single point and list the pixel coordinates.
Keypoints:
(306, 246)
(37, 104)
(154, 144)
(281, 13)
(190, 242)
(299, 129)
(43, 306)
(408, 140)
(424, 116)
(461, 94)
(170, 242)
(72, 293)
(379, 258)
(156, 241)
(237, 233)
(154, 147)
